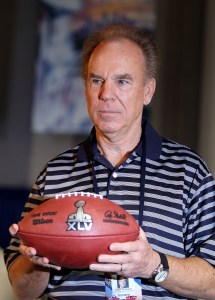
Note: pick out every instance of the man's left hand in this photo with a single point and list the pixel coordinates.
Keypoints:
(137, 259)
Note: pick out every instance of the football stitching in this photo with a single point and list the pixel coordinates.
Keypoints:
(76, 194)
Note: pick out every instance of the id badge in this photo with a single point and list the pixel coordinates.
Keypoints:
(122, 288)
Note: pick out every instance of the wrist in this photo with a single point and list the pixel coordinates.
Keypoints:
(162, 270)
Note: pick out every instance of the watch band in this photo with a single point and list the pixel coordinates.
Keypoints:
(164, 260)
(162, 271)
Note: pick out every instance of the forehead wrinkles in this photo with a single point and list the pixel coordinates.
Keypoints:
(113, 53)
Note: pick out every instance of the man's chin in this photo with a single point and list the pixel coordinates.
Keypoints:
(108, 130)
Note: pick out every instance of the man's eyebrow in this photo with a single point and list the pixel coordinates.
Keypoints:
(124, 76)
(115, 77)
(93, 75)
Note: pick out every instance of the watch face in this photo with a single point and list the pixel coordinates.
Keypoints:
(161, 276)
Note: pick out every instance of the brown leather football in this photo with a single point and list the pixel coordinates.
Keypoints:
(73, 229)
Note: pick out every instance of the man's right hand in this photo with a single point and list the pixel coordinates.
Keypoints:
(31, 252)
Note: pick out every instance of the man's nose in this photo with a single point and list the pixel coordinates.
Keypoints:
(106, 91)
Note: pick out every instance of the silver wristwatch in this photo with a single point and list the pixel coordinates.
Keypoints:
(162, 271)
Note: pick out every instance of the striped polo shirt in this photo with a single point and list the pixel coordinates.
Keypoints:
(178, 205)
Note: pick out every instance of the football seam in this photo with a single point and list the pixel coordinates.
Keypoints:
(86, 236)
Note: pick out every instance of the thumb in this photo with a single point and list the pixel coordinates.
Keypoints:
(13, 229)
(142, 235)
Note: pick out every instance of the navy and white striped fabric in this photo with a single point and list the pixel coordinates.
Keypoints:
(178, 211)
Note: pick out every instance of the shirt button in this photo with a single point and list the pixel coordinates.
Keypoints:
(114, 175)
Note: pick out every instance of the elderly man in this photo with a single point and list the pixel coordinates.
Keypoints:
(164, 185)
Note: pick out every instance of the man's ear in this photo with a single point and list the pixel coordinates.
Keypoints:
(149, 90)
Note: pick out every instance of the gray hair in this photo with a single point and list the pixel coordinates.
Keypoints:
(115, 32)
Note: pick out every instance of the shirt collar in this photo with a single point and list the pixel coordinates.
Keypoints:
(88, 148)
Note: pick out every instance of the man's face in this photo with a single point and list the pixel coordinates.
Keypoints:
(116, 89)
(122, 283)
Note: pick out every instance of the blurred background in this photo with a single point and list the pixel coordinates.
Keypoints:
(42, 109)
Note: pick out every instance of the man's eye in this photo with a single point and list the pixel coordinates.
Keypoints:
(96, 81)
(122, 81)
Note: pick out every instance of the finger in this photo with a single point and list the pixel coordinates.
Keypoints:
(115, 259)
(58, 268)
(142, 235)
(109, 268)
(13, 229)
(27, 251)
(125, 247)
(44, 262)
(130, 246)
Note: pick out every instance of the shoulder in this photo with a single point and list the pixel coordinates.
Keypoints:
(177, 153)
(172, 148)
(60, 163)
(65, 156)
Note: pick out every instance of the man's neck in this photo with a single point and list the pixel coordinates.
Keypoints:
(115, 148)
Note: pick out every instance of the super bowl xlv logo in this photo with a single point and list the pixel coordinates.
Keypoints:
(79, 220)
